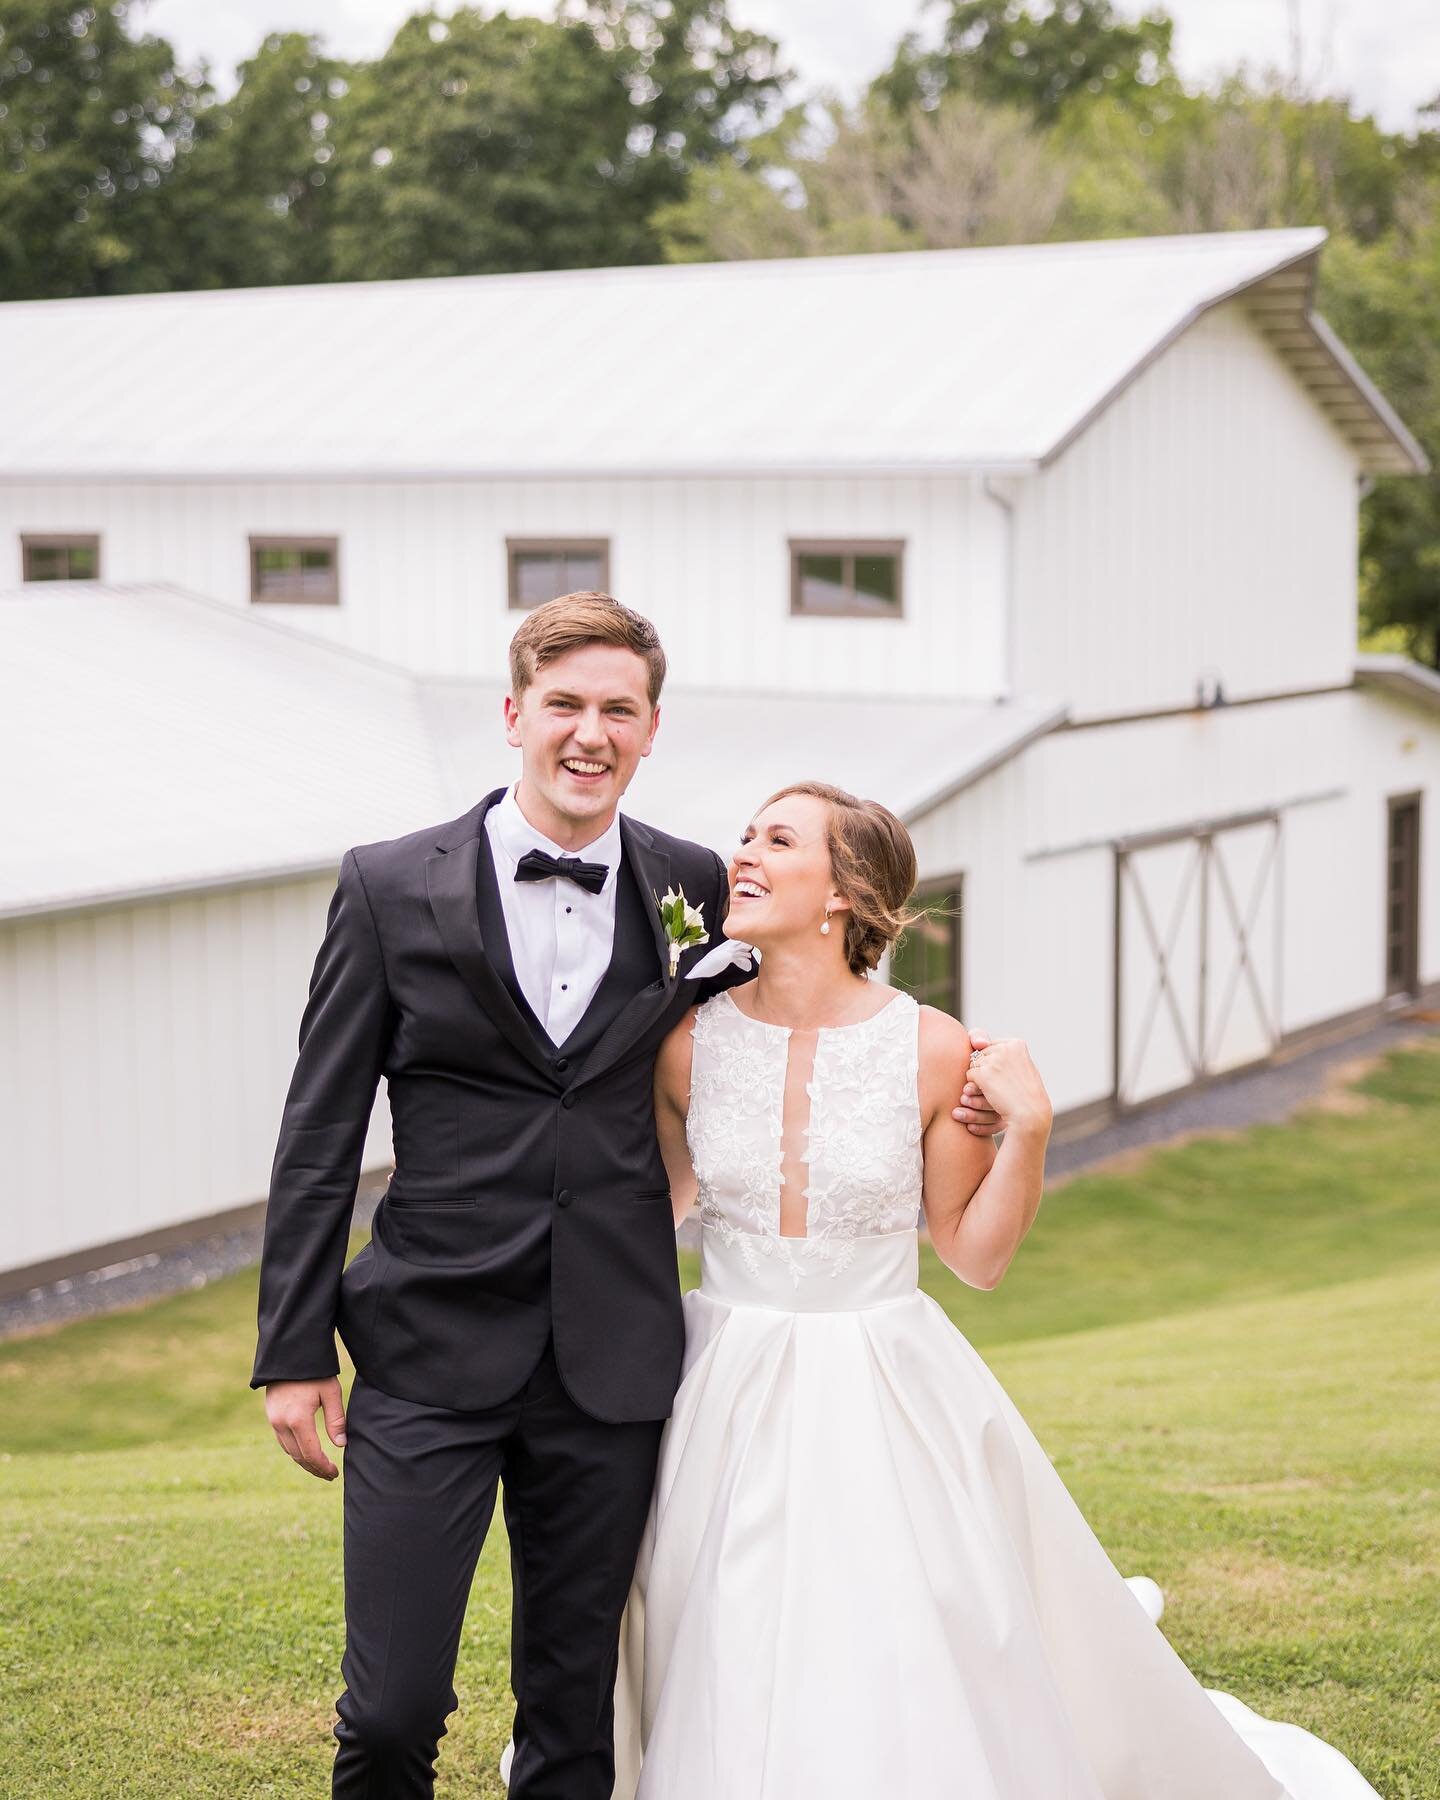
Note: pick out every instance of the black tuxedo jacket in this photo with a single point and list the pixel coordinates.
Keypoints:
(529, 1195)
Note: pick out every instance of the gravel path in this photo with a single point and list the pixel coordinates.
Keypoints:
(1230, 1103)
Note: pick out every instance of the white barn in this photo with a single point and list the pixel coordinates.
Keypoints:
(1051, 548)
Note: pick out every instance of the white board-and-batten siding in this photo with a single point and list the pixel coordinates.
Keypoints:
(1205, 522)
(1034, 842)
(145, 1059)
(423, 569)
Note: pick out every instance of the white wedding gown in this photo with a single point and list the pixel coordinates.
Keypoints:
(862, 1578)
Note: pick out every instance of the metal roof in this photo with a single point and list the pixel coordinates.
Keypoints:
(171, 744)
(913, 361)
(1398, 674)
(719, 756)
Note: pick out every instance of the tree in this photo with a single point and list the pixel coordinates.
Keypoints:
(481, 144)
(478, 144)
(700, 87)
(1384, 299)
(975, 174)
(1237, 157)
(473, 144)
(252, 205)
(735, 211)
(965, 173)
(92, 123)
(1037, 58)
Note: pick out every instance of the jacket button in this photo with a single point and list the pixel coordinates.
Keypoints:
(567, 1100)
(562, 1063)
(564, 1197)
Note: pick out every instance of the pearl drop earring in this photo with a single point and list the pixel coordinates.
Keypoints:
(825, 928)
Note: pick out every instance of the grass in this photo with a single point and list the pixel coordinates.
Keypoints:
(1231, 1349)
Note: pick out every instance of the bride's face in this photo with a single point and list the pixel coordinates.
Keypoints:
(780, 879)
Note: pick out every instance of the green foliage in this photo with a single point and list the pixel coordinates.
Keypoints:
(835, 179)
(731, 213)
(1038, 58)
(92, 125)
(481, 144)
(699, 86)
(254, 204)
(488, 144)
(1237, 158)
(473, 144)
(1384, 300)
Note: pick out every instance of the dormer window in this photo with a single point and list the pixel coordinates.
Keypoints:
(54, 556)
(296, 569)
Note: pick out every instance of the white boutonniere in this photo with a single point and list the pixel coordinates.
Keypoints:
(684, 924)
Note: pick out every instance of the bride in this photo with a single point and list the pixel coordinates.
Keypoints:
(861, 1574)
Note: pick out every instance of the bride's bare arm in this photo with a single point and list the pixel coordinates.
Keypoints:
(672, 1105)
(979, 1200)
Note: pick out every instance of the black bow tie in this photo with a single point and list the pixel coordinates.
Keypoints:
(539, 865)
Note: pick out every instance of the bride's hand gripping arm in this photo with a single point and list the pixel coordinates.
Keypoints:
(979, 1200)
(672, 1107)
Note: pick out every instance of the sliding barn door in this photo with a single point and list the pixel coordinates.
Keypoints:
(1197, 963)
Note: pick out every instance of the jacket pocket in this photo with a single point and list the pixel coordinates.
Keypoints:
(406, 1203)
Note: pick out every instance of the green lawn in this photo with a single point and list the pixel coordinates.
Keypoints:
(1232, 1351)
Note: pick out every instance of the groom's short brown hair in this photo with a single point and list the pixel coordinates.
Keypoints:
(573, 620)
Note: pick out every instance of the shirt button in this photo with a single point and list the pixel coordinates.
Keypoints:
(564, 987)
(569, 909)
(567, 1100)
(564, 1197)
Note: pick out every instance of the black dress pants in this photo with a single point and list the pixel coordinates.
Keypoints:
(419, 1495)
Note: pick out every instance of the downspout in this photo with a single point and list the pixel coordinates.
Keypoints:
(1006, 504)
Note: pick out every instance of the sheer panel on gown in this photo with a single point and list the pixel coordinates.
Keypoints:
(861, 1574)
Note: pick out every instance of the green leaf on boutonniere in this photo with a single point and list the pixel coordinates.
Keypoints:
(684, 924)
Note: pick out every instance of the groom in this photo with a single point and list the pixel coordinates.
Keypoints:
(515, 1317)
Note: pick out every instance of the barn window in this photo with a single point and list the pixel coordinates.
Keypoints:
(295, 568)
(541, 568)
(849, 577)
(927, 961)
(60, 558)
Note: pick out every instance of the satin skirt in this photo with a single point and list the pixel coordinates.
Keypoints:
(861, 1576)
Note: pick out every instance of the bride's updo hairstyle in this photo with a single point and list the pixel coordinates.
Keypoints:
(873, 862)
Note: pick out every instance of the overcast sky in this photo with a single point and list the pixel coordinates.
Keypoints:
(1384, 53)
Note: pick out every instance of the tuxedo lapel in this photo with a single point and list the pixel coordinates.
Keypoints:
(652, 872)
(651, 868)
(450, 878)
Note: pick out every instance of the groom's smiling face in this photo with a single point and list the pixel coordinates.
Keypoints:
(581, 726)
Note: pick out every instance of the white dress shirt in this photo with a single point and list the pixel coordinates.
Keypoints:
(561, 936)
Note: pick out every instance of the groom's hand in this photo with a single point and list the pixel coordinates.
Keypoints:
(972, 1112)
(290, 1406)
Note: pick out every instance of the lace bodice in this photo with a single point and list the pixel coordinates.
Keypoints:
(860, 1145)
